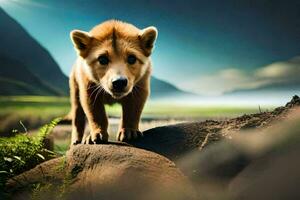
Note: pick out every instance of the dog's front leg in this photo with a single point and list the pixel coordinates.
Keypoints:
(132, 107)
(95, 112)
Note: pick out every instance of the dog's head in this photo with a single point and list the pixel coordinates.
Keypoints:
(115, 54)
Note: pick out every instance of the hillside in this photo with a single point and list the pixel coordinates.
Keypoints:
(16, 79)
(26, 66)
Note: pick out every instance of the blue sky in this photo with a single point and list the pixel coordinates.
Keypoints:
(197, 39)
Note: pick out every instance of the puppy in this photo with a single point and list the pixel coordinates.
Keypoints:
(113, 66)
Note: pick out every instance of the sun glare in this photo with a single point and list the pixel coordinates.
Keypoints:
(5, 2)
(23, 3)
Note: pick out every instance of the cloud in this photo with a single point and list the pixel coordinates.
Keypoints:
(231, 79)
(281, 71)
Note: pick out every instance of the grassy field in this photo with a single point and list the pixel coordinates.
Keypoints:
(34, 111)
(162, 110)
(29, 111)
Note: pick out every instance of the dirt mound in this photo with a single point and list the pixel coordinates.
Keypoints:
(258, 164)
(176, 140)
(105, 172)
(260, 120)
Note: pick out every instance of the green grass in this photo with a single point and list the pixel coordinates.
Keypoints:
(32, 111)
(61, 146)
(22, 152)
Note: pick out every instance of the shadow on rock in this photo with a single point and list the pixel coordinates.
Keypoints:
(176, 140)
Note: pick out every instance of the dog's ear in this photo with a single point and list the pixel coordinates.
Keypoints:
(81, 41)
(147, 37)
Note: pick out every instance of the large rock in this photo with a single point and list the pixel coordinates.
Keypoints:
(105, 172)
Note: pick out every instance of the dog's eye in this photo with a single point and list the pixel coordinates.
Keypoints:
(103, 60)
(131, 59)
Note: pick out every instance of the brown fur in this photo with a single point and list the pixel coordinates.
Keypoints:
(90, 82)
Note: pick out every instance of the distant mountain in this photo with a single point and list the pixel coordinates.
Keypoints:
(161, 88)
(26, 68)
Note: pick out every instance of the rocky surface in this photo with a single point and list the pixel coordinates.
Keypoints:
(105, 172)
(231, 159)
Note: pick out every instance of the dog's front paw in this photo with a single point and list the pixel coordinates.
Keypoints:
(126, 135)
(96, 138)
(76, 142)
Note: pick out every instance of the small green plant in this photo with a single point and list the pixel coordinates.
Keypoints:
(50, 190)
(23, 152)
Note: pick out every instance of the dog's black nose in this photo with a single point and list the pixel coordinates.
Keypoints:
(119, 84)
